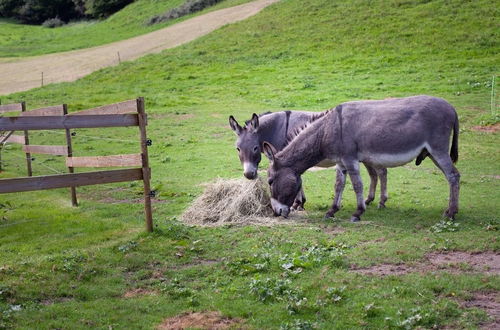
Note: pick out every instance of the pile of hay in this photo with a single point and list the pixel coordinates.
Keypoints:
(236, 201)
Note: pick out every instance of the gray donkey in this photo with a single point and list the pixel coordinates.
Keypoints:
(381, 134)
(277, 128)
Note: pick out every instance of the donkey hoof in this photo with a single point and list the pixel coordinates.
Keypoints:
(381, 206)
(355, 219)
(368, 201)
(331, 212)
(450, 214)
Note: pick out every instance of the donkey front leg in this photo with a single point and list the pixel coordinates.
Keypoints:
(300, 200)
(357, 184)
(339, 188)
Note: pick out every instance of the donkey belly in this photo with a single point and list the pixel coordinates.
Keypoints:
(388, 159)
(326, 163)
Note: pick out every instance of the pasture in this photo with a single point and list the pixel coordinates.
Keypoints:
(401, 267)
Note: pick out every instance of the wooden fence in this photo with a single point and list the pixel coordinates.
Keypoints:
(124, 114)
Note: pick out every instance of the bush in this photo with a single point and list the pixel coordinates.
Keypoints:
(44, 11)
(38, 11)
(188, 7)
(53, 22)
(8, 8)
(104, 8)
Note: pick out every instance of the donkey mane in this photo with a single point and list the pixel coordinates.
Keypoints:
(298, 130)
(260, 115)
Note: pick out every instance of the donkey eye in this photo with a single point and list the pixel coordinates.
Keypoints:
(270, 181)
(255, 149)
(238, 149)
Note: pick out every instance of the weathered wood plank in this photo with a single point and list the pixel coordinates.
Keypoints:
(146, 170)
(67, 122)
(117, 108)
(11, 107)
(105, 161)
(56, 110)
(68, 180)
(47, 150)
(15, 139)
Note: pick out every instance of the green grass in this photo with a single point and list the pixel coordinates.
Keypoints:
(70, 267)
(18, 40)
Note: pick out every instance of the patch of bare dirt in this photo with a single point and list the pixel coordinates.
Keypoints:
(332, 230)
(455, 262)
(385, 270)
(485, 262)
(185, 116)
(59, 300)
(139, 292)
(200, 320)
(490, 303)
(487, 129)
(195, 263)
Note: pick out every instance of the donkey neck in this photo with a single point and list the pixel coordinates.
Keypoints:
(306, 149)
(274, 129)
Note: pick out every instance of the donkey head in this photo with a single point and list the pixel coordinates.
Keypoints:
(248, 145)
(285, 183)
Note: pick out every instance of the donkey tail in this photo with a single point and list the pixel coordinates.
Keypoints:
(454, 143)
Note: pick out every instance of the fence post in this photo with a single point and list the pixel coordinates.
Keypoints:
(26, 143)
(74, 201)
(146, 171)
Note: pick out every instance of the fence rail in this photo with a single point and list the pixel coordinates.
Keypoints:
(123, 114)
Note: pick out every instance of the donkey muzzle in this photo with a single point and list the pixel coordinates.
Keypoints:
(249, 171)
(279, 209)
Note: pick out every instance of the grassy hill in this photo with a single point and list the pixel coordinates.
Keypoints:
(79, 267)
(18, 40)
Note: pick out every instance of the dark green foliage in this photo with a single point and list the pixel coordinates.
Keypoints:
(38, 11)
(47, 11)
(104, 8)
(189, 7)
(8, 7)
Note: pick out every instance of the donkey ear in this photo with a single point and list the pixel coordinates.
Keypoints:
(269, 150)
(254, 122)
(235, 126)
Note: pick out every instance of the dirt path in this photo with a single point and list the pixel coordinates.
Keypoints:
(20, 75)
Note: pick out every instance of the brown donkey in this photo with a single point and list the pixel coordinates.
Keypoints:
(381, 134)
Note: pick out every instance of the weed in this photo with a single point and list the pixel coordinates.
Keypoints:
(298, 325)
(130, 245)
(270, 289)
(174, 229)
(6, 293)
(255, 264)
(73, 263)
(335, 295)
(492, 225)
(4, 208)
(445, 226)
(176, 289)
(330, 252)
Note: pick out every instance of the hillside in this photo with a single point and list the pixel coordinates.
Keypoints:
(93, 267)
(18, 40)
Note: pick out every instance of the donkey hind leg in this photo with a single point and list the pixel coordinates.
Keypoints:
(373, 184)
(339, 188)
(444, 163)
(300, 200)
(382, 174)
(357, 184)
